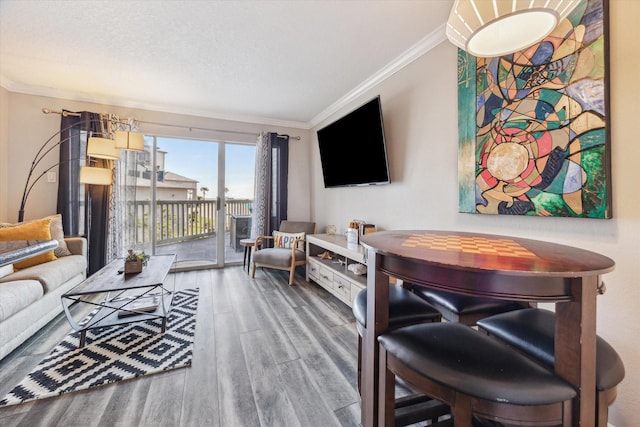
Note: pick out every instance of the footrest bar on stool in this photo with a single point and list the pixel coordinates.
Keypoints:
(418, 409)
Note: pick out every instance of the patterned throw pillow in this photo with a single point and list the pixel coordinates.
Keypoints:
(286, 240)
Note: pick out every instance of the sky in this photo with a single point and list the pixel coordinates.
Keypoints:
(198, 160)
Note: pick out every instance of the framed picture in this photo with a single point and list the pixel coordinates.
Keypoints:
(533, 125)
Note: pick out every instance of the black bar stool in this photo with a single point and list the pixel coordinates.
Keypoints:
(475, 375)
(405, 308)
(532, 331)
(462, 308)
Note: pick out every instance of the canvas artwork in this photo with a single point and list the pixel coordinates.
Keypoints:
(533, 130)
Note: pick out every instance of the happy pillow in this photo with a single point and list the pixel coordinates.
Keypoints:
(34, 230)
(286, 240)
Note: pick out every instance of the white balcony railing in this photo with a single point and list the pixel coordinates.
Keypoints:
(178, 221)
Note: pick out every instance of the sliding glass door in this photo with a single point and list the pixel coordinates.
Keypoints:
(188, 194)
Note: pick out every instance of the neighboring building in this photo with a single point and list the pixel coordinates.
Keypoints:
(169, 185)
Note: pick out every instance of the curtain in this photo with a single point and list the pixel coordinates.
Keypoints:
(84, 208)
(72, 155)
(271, 176)
(123, 226)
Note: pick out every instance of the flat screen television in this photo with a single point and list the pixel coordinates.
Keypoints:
(353, 149)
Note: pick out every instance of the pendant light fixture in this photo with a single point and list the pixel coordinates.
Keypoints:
(489, 28)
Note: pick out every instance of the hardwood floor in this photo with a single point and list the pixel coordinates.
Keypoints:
(265, 354)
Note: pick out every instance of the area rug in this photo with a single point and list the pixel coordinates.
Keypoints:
(113, 354)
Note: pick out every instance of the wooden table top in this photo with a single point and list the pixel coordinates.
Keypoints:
(485, 252)
(110, 278)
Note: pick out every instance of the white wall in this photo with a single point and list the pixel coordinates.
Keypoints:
(420, 113)
(4, 142)
(25, 128)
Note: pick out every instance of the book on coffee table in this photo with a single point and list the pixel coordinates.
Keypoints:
(145, 304)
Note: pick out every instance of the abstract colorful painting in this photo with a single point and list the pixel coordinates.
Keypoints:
(533, 133)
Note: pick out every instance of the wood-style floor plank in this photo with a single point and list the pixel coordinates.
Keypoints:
(265, 354)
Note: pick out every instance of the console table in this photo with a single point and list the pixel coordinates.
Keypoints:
(501, 267)
(333, 274)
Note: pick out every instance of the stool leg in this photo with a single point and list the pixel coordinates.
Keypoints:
(461, 411)
(360, 366)
(387, 381)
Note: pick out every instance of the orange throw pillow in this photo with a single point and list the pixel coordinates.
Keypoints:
(34, 230)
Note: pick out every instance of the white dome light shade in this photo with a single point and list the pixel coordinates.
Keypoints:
(488, 28)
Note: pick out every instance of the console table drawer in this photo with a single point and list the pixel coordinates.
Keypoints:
(342, 287)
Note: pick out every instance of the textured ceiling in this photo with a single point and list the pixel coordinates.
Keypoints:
(287, 61)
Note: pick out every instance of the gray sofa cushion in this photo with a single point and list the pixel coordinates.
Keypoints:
(51, 274)
(16, 295)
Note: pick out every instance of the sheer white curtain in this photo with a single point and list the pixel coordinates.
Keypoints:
(122, 218)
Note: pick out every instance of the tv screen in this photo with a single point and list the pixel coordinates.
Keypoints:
(353, 149)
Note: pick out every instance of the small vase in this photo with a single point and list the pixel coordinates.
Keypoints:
(131, 267)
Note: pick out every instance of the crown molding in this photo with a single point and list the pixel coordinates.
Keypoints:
(429, 42)
(105, 100)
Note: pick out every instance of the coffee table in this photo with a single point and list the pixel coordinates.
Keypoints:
(127, 297)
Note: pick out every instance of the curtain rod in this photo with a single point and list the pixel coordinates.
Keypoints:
(69, 113)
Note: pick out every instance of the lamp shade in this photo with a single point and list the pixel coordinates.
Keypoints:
(102, 148)
(488, 28)
(95, 176)
(129, 140)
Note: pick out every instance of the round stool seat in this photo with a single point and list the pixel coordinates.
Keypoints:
(532, 331)
(405, 308)
(466, 361)
(463, 308)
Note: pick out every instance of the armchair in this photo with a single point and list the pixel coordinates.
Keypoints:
(288, 249)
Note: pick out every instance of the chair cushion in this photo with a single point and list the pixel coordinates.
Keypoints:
(405, 308)
(470, 362)
(278, 257)
(464, 304)
(532, 331)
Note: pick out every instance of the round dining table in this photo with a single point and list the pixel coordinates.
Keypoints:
(495, 266)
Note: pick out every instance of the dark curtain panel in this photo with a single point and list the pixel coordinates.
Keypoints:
(279, 179)
(84, 209)
(270, 199)
(70, 191)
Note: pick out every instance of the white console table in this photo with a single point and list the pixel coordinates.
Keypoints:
(332, 274)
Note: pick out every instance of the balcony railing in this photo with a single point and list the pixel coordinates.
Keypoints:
(178, 221)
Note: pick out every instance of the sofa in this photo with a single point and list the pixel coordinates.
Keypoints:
(30, 297)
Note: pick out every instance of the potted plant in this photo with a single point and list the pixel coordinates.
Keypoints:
(134, 261)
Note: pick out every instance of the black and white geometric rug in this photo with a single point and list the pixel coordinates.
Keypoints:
(113, 354)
